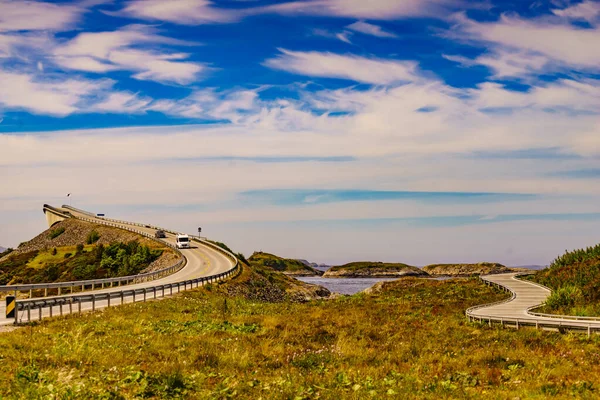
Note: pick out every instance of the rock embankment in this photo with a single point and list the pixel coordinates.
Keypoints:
(484, 268)
(373, 270)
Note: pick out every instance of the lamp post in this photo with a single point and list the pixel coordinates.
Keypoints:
(199, 231)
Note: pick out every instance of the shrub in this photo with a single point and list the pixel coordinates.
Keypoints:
(67, 255)
(57, 232)
(54, 251)
(92, 237)
(566, 296)
(6, 252)
(79, 249)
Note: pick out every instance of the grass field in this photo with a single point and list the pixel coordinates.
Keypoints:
(45, 258)
(409, 341)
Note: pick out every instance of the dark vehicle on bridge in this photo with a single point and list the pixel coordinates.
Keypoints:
(160, 234)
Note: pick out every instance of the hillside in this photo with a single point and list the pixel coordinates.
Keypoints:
(483, 268)
(76, 250)
(263, 283)
(366, 269)
(574, 278)
(283, 265)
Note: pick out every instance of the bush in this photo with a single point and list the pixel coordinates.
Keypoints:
(79, 249)
(566, 296)
(92, 237)
(54, 251)
(67, 255)
(57, 232)
(6, 252)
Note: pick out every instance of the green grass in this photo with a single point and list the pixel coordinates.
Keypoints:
(410, 341)
(45, 258)
(575, 280)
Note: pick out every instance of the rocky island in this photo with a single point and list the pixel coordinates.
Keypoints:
(483, 268)
(373, 270)
(285, 265)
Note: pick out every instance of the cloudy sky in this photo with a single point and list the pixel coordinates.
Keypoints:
(418, 131)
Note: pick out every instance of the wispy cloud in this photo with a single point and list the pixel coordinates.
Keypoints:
(356, 68)
(120, 50)
(587, 11)
(374, 9)
(370, 29)
(48, 95)
(301, 196)
(185, 12)
(519, 46)
(37, 15)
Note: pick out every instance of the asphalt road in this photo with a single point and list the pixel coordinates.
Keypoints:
(200, 261)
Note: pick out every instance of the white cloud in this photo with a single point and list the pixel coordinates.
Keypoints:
(370, 29)
(120, 50)
(356, 68)
(41, 95)
(36, 15)
(122, 103)
(186, 12)
(510, 37)
(586, 10)
(344, 37)
(373, 9)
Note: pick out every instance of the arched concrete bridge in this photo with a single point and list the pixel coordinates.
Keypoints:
(55, 215)
(202, 260)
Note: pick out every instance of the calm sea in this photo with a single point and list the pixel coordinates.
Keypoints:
(350, 285)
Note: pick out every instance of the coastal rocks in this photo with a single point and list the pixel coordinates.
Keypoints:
(483, 268)
(373, 270)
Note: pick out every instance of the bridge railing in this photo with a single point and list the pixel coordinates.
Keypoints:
(27, 307)
(538, 320)
(100, 283)
(118, 221)
(28, 310)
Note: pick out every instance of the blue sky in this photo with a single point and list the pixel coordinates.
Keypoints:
(442, 130)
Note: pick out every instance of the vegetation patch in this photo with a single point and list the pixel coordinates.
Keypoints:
(77, 263)
(92, 237)
(279, 264)
(411, 340)
(574, 278)
(54, 233)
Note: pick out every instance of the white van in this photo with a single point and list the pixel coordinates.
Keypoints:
(183, 242)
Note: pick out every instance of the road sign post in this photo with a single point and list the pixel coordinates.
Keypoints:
(199, 232)
(11, 309)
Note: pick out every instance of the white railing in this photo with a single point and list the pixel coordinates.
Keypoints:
(537, 319)
(100, 283)
(25, 308)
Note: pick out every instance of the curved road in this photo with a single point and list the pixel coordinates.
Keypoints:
(526, 295)
(201, 261)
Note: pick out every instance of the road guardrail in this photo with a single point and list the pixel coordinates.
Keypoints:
(537, 320)
(100, 283)
(30, 306)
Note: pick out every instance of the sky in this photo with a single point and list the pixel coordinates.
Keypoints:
(415, 131)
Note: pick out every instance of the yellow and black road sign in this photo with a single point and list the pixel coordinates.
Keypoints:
(10, 306)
